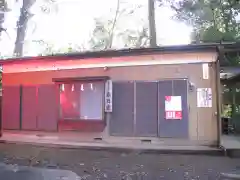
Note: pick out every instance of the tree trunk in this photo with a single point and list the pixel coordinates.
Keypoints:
(2, 18)
(113, 25)
(152, 25)
(3, 10)
(24, 17)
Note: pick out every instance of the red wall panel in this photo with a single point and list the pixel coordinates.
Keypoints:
(81, 126)
(47, 105)
(11, 107)
(29, 108)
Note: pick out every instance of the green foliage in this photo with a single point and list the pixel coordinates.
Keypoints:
(101, 34)
(3, 8)
(51, 49)
(227, 111)
(49, 6)
(135, 38)
(212, 20)
(131, 38)
(211, 34)
(108, 32)
(3, 5)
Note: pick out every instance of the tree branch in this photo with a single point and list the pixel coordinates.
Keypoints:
(114, 24)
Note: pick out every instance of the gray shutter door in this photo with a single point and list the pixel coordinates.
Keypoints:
(146, 109)
(121, 122)
(170, 127)
(180, 88)
(166, 127)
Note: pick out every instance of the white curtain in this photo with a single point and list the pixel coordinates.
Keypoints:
(91, 100)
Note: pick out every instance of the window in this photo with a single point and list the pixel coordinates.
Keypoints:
(82, 100)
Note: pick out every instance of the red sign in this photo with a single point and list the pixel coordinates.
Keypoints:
(173, 115)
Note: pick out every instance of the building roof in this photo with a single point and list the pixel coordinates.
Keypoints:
(230, 74)
(213, 47)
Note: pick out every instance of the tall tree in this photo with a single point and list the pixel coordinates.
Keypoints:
(152, 24)
(135, 38)
(212, 20)
(25, 16)
(103, 34)
(106, 30)
(111, 34)
(3, 10)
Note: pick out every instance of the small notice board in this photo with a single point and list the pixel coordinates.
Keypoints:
(108, 96)
(204, 97)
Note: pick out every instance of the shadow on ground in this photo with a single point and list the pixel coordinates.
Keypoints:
(15, 172)
(96, 164)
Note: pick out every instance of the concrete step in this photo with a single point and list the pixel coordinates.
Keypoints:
(233, 153)
(123, 147)
(232, 175)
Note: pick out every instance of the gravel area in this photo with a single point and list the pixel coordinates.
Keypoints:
(128, 165)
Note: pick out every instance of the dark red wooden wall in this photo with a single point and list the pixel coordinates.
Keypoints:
(30, 107)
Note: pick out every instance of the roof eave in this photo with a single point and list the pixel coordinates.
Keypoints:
(122, 52)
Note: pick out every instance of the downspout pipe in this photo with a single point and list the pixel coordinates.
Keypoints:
(220, 58)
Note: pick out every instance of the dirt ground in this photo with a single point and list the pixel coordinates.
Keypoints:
(96, 164)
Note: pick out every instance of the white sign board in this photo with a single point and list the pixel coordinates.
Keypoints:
(204, 97)
(173, 107)
(205, 69)
(108, 96)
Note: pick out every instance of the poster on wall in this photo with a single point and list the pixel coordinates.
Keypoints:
(108, 96)
(204, 97)
(173, 107)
